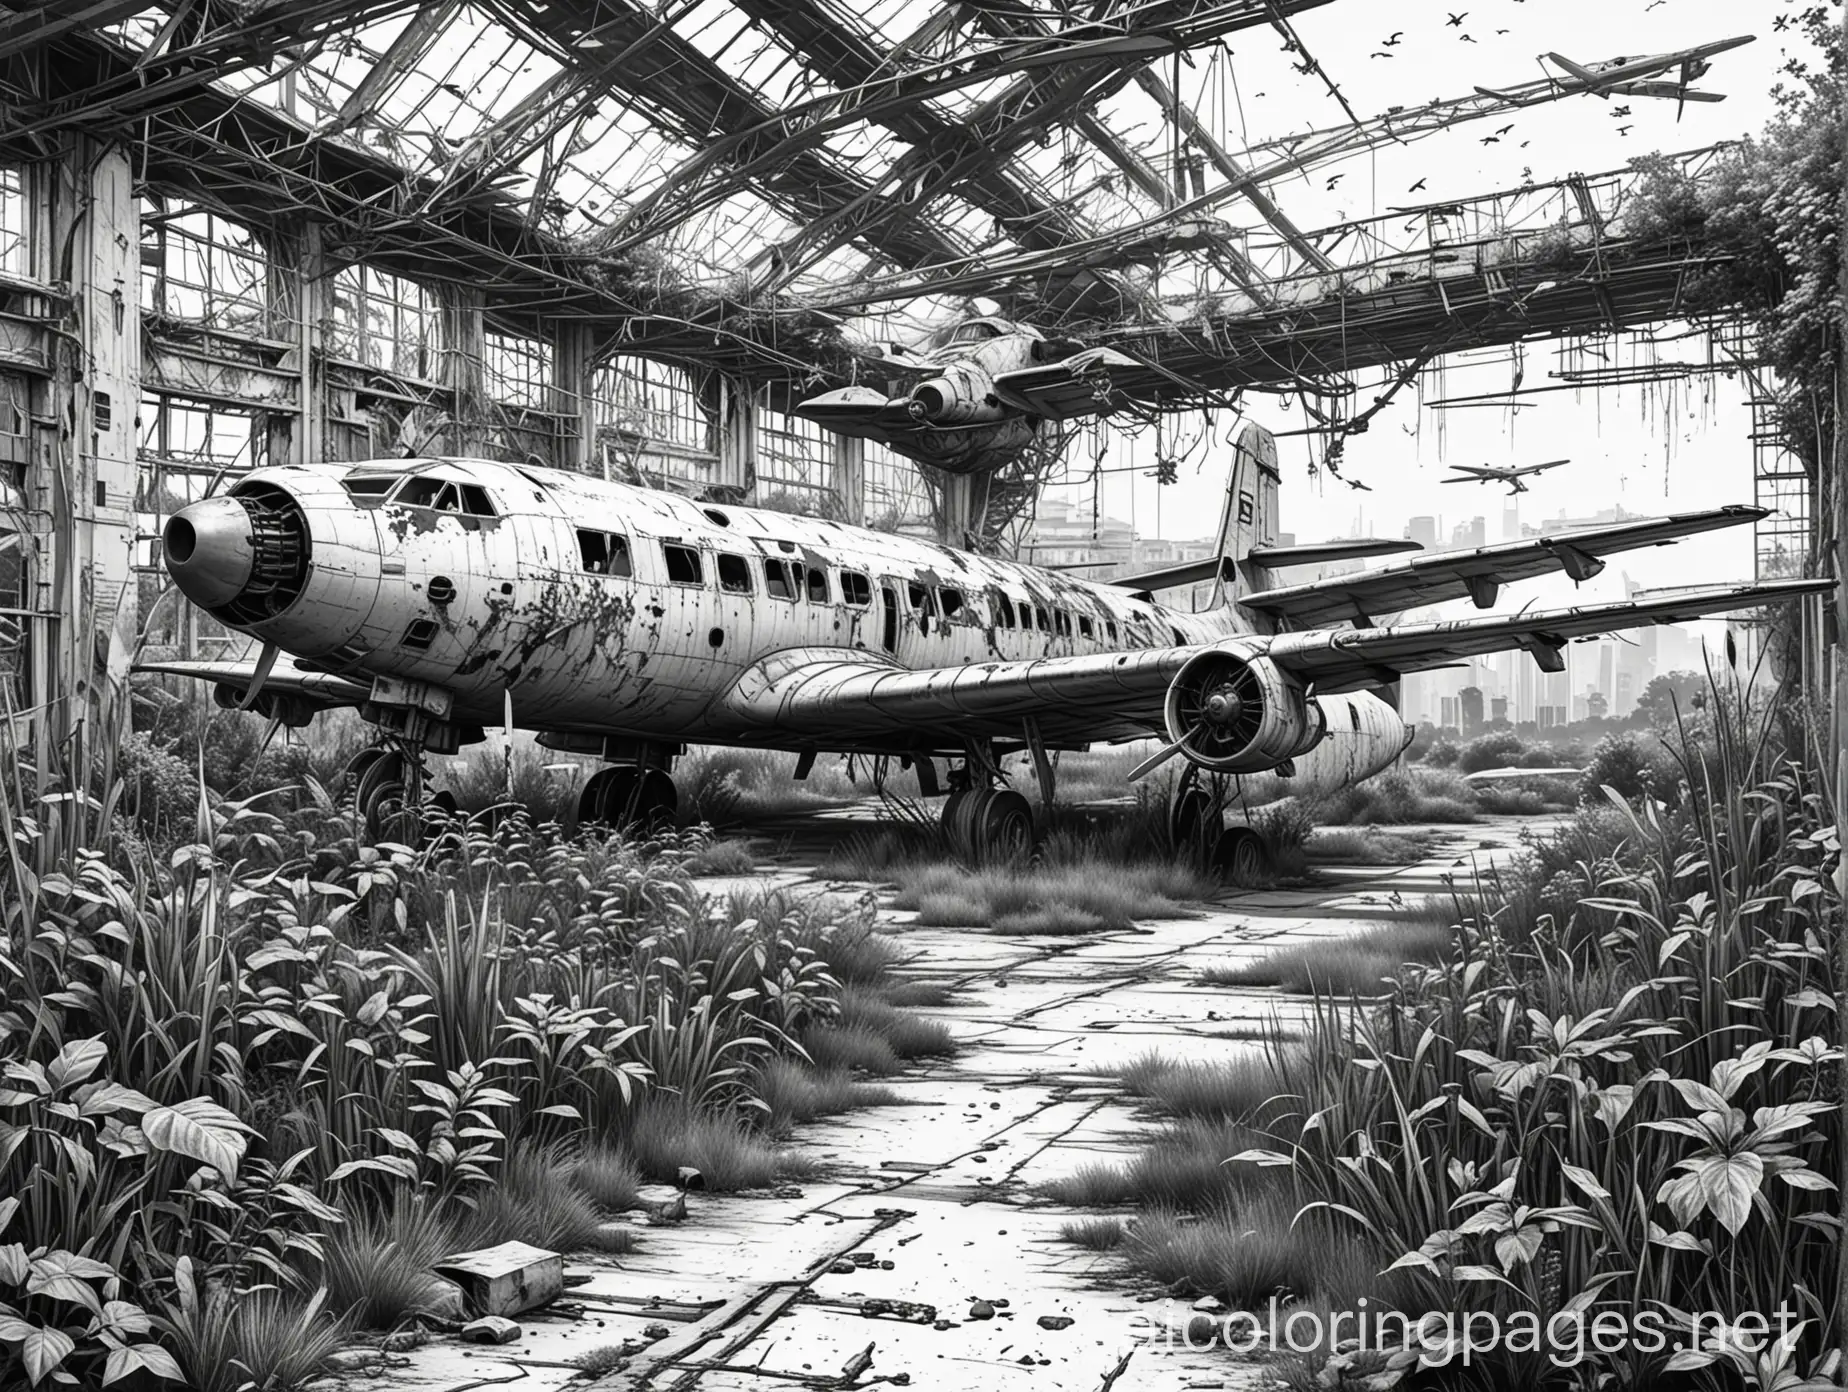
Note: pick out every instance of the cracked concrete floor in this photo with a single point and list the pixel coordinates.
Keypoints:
(934, 1203)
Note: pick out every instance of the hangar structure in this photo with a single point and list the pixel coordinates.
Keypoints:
(625, 238)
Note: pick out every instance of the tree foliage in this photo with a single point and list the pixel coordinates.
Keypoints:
(1769, 218)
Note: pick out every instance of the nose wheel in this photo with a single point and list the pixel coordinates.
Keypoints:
(387, 787)
(1237, 854)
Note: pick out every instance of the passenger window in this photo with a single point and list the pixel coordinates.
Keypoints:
(604, 553)
(817, 580)
(1353, 715)
(369, 487)
(921, 602)
(1110, 630)
(734, 574)
(1062, 623)
(1085, 627)
(856, 588)
(683, 566)
(950, 601)
(1045, 623)
(776, 580)
(1004, 611)
(475, 501)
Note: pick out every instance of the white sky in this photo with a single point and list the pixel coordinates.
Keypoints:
(1652, 450)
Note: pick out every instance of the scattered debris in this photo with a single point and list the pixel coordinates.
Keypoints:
(1055, 1321)
(981, 1310)
(691, 1179)
(491, 1329)
(403, 1341)
(506, 1280)
(661, 1203)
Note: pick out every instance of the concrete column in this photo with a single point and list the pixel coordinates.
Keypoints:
(848, 478)
(299, 294)
(88, 465)
(571, 378)
(459, 354)
(738, 408)
(958, 514)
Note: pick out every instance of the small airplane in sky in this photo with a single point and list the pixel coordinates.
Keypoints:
(441, 596)
(1491, 473)
(1640, 77)
(979, 391)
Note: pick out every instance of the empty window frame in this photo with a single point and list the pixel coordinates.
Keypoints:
(950, 601)
(1086, 629)
(1110, 631)
(683, 567)
(383, 321)
(777, 583)
(517, 370)
(204, 268)
(371, 488)
(734, 573)
(444, 495)
(1061, 623)
(815, 581)
(856, 588)
(923, 604)
(1003, 608)
(1042, 619)
(604, 553)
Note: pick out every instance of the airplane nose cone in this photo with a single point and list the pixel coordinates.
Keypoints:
(211, 551)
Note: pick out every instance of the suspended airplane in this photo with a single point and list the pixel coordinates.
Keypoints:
(1637, 77)
(1491, 473)
(980, 390)
(439, 596)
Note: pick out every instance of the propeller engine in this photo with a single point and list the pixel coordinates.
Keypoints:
(1232, 712)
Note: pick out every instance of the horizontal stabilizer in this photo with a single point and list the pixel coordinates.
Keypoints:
(1276, 557)
(1171, 577)
(1435, 577)
(1087, 383)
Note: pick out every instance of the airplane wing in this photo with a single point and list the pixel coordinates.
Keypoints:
(1478, 574)
(1090, 381)
(861, 412)
(288, 676)
(1539, 468)
(847, 700)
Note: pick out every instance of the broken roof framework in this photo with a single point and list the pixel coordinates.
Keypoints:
(722, 183)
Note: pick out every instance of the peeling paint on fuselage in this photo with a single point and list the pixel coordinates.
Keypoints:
(646, 656)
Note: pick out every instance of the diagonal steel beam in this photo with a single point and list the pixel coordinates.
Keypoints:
(42, 23)
(406, 52)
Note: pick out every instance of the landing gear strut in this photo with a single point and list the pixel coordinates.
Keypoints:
(387, 783)
(989, 823)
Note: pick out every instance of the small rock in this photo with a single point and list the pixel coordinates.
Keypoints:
(404, 1341)
(941, 1325)
(351, 1361)
(1025, 1358)
(843, 1267)
(981, 1309)
(1001, 1304)
(864, 1259)
(1203, 1329)
(1055, 1321)
(661, 1204)
(655, 1331)
(979, 1159)
(1210, 1305)
(887, 1265)
(491, 1329)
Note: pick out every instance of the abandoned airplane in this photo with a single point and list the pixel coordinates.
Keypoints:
(443, 595)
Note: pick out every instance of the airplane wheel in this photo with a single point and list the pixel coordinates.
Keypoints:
(1190, 823)
(956, 825)
(386, 768)
(639, 799)
(590, 800)
(387, 818)
(1005, 832)
(1241, 857)
(357, 766)
(659, 800)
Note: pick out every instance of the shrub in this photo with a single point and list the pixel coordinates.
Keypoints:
(1633, 765)
(606, 1175)
(377, 1271)
(1497, 749)
(666, 1133)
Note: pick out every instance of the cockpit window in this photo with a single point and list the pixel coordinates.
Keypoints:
(444, 495)
(370, 486)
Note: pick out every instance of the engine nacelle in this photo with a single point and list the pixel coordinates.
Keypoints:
(1240, 713)
(962, 395)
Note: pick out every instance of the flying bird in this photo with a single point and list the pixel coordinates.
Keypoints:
(1456, 20)
(1491, 140)
(1415, 187)
(1623, 130)
(1620, 111)
(1334, 179)
(1464, 38)
(1377, 54)
(1356, 483)
(1397, 34)
(1505, 129)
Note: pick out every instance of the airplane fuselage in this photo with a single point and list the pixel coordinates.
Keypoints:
(604, 609)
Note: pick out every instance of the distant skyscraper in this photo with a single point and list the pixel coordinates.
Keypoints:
(1511, 521)
(1468, 535)
(1422, 530)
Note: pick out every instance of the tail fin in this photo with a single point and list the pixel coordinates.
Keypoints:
(1250, 518)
